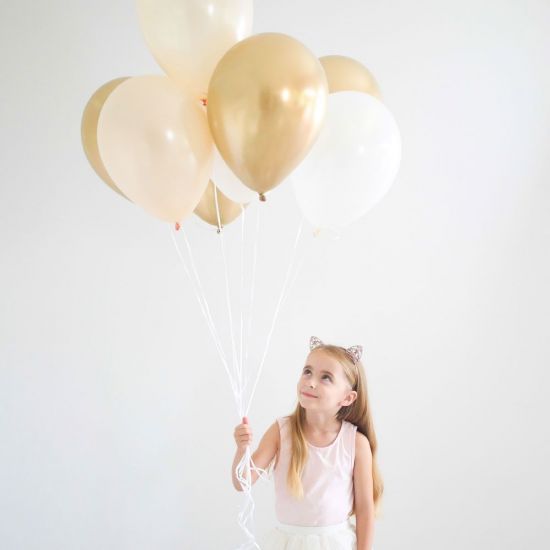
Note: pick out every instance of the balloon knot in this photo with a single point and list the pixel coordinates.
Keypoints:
(178, 226)
(262, 197)
(204, 101)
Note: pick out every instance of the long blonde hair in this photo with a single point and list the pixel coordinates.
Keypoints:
(358, 413)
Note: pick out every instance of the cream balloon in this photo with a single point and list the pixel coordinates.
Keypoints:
(266, 104)
(88, 130)
(188, 37)
(228, 210)
(345, 74)
(155, 143)
(351, 166)
(229, 183)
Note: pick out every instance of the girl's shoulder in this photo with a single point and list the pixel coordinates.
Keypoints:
(350, 428)
(361, 441)
(285, 427)
(283, 421)
(363, 451)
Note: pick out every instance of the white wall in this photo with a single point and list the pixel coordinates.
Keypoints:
(115, 414)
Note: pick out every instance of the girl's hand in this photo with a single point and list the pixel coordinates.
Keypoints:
(243, 434)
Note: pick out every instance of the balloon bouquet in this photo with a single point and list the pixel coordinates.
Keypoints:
(234, 116)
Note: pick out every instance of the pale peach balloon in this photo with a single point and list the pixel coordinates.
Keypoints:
(155, 143)
(188, 37)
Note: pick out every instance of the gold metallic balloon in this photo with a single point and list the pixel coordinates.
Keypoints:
(266, 104)
(206, 209)
(345, 74)
(88, 130)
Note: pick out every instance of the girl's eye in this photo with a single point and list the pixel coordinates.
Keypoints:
(327, 377)
(306, 371)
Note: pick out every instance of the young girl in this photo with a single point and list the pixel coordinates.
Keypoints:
(323, 457)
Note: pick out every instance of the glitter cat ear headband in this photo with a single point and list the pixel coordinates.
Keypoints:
(354, 352)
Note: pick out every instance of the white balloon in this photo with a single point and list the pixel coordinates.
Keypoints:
(352, 164)
(228, 183)
(189, 37)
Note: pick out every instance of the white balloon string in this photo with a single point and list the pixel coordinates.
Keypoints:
(203, 304)
(218, 216)
(201, 298)
(276, 314)
(239, 397)
(210, 319)
(243, 472)
(237, 378)
(241, 301)
(244, 468)
(252, 284)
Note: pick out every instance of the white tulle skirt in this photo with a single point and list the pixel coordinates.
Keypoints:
(293, 537)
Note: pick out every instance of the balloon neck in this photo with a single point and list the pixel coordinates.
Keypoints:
(262, 197)
(177, 226)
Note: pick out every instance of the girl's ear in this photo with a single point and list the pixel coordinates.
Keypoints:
(350, 398)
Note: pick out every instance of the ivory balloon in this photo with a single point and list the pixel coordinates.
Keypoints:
(188, 37)
(266, 104)
(155, 144)
(206, 209)
(227, 182)
(88, 130)
(352, 165)
(347, 74)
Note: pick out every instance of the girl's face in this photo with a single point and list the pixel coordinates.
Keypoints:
(323, 385)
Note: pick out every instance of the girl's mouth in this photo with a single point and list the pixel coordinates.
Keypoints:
(308, 395)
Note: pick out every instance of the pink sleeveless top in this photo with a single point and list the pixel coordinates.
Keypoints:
(327, 480)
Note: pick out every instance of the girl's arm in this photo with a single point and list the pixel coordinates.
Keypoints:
(363, 493)
(262, 456)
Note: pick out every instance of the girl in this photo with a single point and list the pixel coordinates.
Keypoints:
(323, 457)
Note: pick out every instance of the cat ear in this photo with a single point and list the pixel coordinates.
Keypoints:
(356, 352)
(314, 342)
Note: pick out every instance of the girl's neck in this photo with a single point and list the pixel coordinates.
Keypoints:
(322, 422)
